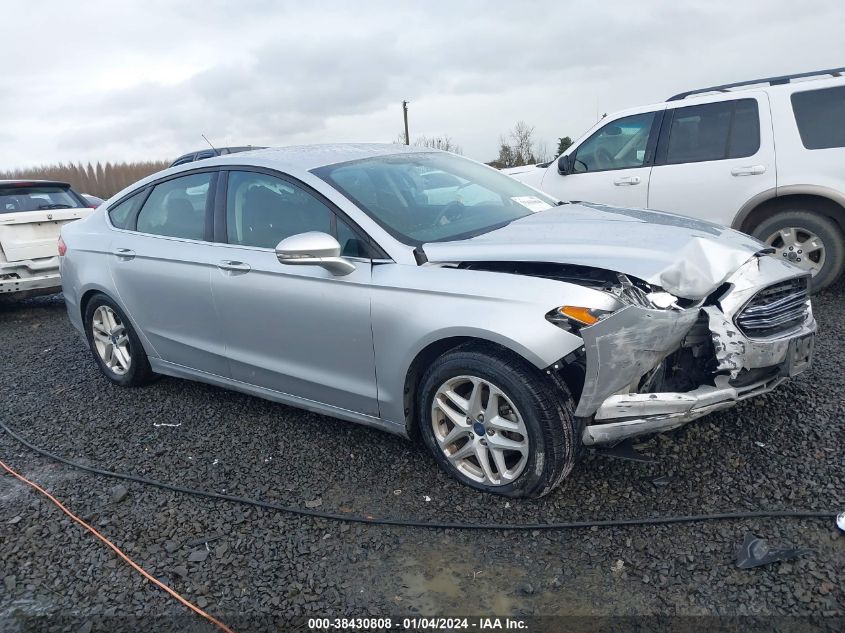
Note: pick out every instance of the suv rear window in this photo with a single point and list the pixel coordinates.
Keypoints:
(820, 115)
(713, 131)
(36, 198)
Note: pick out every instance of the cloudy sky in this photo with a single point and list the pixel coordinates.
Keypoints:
(128, 80)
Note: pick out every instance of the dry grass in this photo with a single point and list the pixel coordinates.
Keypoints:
(99, 180)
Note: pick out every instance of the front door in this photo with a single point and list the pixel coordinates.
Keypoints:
(298, 330)
(612, 166)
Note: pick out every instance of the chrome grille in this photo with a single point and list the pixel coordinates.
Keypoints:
(776, 309)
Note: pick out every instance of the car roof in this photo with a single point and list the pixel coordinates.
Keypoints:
(301, 158)
(308, 157)
(295, 160)
(34, 181)
(708, 95)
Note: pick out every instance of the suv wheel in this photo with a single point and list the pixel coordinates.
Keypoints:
(808, 240)
(494, 422)
(116, 348)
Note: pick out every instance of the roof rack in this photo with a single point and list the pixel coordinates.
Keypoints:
(772, 81)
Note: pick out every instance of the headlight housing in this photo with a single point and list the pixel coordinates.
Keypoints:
(569, 317)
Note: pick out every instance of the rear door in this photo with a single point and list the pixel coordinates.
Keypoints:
(612, 166)
(713, 157)
(297, 330)
(162, 264)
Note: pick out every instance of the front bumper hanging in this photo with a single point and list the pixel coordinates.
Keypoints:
(626, 345)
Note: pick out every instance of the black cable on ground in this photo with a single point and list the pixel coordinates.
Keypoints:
(352, 518)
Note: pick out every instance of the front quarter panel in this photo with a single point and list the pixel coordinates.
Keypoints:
(415, 306)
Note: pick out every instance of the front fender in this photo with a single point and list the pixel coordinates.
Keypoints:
(414, 307)
(624, 346)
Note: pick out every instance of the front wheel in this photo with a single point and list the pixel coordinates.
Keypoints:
(809, 240)
(496, 423)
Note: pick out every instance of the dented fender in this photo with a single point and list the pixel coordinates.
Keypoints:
(624, 346)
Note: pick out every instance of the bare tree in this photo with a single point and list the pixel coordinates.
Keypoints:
(522, 136)
(517, 148)
(444, 142)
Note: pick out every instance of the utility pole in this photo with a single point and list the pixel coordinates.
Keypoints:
(405, 113)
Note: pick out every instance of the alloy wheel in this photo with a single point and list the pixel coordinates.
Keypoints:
(799, 246)
(111, 340)
(479, 430)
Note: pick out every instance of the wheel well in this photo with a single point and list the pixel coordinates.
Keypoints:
(421, 361)
(819, 204)
(431, 352)
(83, 302)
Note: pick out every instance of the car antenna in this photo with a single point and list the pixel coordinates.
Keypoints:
(216, 153)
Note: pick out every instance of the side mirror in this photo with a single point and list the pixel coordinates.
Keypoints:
(564, 165)
(313, 249)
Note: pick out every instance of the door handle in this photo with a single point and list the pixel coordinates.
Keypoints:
(124, 254)
(233, 266)
(627, 181)
(748, 170)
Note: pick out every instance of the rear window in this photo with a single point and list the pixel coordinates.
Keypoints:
(36, 198)
(122, 214)
(820, 115)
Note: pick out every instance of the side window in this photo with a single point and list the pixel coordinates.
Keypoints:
(177, 208)
(713, 131)
(121, 214)
(820, 115)
(745, 130)
(618, 145)
(350, 244)
(262, 210)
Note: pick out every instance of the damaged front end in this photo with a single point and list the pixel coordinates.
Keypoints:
(660, 362)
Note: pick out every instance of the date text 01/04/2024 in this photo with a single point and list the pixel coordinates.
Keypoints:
(417, 624)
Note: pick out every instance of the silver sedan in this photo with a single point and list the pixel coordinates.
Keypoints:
(431, 296)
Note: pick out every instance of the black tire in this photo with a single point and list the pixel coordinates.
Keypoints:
(826, 229)
(546, 407)
(139, 372)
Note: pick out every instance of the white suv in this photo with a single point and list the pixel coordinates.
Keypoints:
(765, 156)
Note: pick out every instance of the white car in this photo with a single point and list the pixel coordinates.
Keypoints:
(32, 213)
(765, 156)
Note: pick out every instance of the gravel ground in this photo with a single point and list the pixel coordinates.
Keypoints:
(255, 568)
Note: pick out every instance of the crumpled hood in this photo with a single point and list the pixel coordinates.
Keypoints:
(687, 257)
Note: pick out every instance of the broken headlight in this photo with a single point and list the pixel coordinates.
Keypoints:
(642, 295)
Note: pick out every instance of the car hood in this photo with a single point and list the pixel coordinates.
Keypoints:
(687, 257)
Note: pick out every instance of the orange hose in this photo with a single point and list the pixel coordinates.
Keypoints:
(132, 563)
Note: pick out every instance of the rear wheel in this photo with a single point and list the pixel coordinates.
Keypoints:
(810, 241)
(114, 344)
(494, 422)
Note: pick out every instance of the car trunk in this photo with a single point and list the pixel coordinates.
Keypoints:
(34, 234)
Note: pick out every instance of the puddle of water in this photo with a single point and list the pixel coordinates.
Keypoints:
(451, 580)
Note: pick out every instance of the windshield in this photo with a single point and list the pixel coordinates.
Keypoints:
(36, 198)
(433, 196)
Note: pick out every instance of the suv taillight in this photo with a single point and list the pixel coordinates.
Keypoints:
(62, 247)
